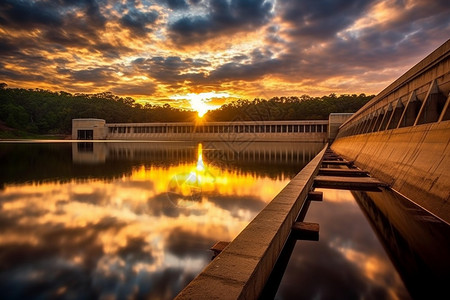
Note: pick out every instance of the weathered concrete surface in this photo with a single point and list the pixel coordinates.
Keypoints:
(415, 161)
(241, 270)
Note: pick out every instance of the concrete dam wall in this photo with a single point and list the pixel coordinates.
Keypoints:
(402, 136)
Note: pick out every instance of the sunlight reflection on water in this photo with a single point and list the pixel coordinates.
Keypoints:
(127, 220)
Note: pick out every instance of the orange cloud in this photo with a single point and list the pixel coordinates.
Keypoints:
(261, 49)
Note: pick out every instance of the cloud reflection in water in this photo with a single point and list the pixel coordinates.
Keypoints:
(122, 237)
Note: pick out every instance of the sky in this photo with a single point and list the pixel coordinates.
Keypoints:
(215, 51)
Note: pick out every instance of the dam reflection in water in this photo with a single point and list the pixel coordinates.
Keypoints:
(393, 250)
(128, 219)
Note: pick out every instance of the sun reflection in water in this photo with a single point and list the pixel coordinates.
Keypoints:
(188, 187)
(152, 221)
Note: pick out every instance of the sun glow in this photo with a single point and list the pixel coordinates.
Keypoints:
(201, 102)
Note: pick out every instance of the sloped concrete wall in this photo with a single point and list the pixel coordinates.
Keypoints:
(415, 161)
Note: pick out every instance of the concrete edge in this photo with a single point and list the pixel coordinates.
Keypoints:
(241, 270)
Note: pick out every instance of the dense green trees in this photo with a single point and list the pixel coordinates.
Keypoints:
(44, 112)
(289, 108)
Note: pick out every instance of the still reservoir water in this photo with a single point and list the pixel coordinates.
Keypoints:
(128, 220)
(135, 220)
(348, 261)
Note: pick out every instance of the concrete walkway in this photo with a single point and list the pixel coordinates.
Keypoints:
(241, 270)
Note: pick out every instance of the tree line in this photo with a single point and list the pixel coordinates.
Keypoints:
(289, 108)
(45, 112)
(40, 111)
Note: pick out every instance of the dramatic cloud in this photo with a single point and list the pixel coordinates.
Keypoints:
(222, 17)
(137, 21)
(320, 20)
(92, 74)
(175, 4)
(153, 50)
(138, 89)
(170, 70)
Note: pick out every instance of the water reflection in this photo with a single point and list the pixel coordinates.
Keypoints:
(348, 261)
(417, 241)
(127, 220)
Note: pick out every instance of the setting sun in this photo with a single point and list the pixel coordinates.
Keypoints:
(201, 102)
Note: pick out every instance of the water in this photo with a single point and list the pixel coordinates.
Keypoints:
(128, 220)
(393, 250)
(348, 261)
(135, 220)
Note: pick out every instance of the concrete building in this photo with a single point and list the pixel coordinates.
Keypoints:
(88, 129)
(304, 131)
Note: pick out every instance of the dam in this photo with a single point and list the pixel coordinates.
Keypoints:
(402, 135)
(257, 131)
(401, 139)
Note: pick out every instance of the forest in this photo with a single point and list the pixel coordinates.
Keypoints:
(43, 112)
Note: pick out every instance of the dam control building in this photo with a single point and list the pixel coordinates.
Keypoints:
(301, 131)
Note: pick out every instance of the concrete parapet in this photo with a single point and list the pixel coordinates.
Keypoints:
(414, 160)
(334, 121)
(241, 270)
(417, 80)
(230, 137)
(420, 96)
